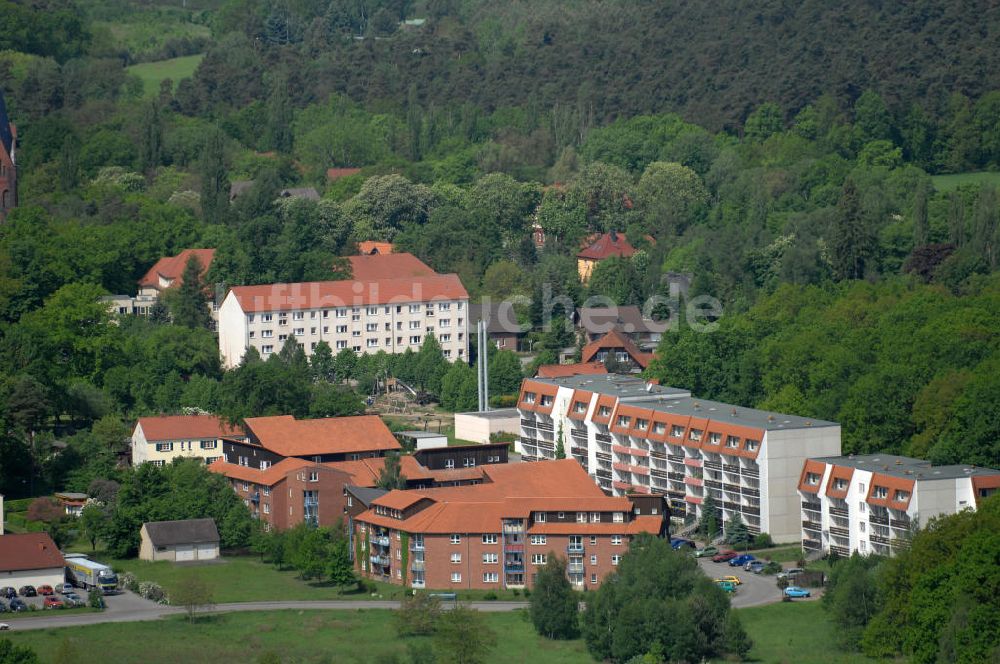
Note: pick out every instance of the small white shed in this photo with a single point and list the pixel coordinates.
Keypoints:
(179, 541)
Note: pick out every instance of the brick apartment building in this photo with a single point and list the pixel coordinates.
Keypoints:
(633, 436)
(392, 302)
(498, 533)
(159, 440)
(870, 503)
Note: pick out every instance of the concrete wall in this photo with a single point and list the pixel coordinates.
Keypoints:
(477, 428)
(51, 576)
(232, 332)
(782, 456)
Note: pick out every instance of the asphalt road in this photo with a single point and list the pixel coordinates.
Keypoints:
(755, 590)
(129, 607)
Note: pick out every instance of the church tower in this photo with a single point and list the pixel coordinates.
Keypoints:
(8, 162)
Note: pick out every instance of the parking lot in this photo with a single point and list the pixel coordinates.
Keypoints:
(754, 590)
(38, 601)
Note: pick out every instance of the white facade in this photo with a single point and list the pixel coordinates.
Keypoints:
(367, 328)
(634, 437)
(164, 451)
(872, 503)
(478, 427)
(51, 576)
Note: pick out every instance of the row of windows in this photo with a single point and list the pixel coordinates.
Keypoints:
(494, 577)
(187, 445)
(536, 540)
(341, 312)
(581, 517)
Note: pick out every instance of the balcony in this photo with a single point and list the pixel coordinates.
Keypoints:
(878, 539)
(622, 486)
(416, 546)
(693, 481)
(575, 568)
(603, 473)
(676, 476)
(639, 470)
(714, 465)
(900, 523)
(812, 525)
(658, 472)
(574, 549)
(734, 488)
(811, 544)
(882, 520)
(528, 424)
(840, 532)
(621, 467)
(842, 551)
(693, 463)
(513, 568)
(578, 433)
(544, 426)
(513, 527)
(513, 548)
(840, 511)
(418, 565)
(751, 509)
(731, 468)
(380, 540)
(603, 437)
(750, 492)
(382, 561)
(661, 456)
(751, 472)
(603, 456)
(812, 507)
(255, 497)
(579, 451)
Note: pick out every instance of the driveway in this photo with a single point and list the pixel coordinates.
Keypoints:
(756, 589)
(129, 607)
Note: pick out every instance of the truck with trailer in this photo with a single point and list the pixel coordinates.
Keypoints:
(87, 574)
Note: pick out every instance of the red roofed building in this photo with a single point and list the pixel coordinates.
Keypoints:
(497, 534)
(30, 559)
(333, 174)
(166, 273)
(370, 247)
(159, 440)
(619, 347)
(378, 265)
(384, 313)
(605, 246)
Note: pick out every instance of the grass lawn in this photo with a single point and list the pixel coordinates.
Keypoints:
(296, 636)
(794, 633)
(246, 579)
(175, 69)
(954, 180)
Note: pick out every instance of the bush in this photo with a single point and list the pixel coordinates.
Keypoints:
(418, 615)
(762, 541)
(771, 568)
(129, 582)
(153, 592)
(96, 599)
(490, 596)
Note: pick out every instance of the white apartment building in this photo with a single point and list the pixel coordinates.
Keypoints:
(159, 440)
(871, 503)
(390, 315)
(633, 436)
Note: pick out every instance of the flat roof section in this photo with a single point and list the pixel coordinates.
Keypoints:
(626, 388)
(906, 467)
(495, 414)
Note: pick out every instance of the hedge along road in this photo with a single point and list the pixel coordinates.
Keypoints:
(129, 607)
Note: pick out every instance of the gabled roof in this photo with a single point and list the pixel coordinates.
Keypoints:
(369, 247)
(578, 369)
(172, 267)
(366, 495)
(499, 316)
(185, 427)
(287, 436)
(615, 339)
(187, 531)
(329, 294)
(267, 477)
(369, 267)
(627, 318)
(28, 551)
(300, 192)
(607, 245)
(337, 173)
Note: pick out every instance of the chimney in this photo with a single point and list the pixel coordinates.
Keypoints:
(614, 236)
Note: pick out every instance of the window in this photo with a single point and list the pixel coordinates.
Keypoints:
(299, 332)
(861, 524)
(618, 517)
(415, 340)
(861, 487)
(372, 343)
(595, 517)
(267, 508)
(298, 315)
(694, 434)
(267, 491)
(659, 428)
(157, 462)
(491, 577)
(266, 334)
(839, 485)
(901, 496)
(355, 333)
(246, 486)
(341, 345)
(546, 400)
(314, 477)
(604, 411)
(593, 540)
(444, 322)
(449, 463)
(341, 329)
(538, 558)
(249, 318)
(677, 431)
(623, 420)
(282, 337)
(562, 515)
(579, 407)
(540, 517)
(616, 540)
(813, 479)
(252, 333)
(456, 539)
(880, 492)
(581, 517)
(312, 315)
(445, 338)
(751, 445)
(264, 465)
(444, 306)
(538, 540)
(731, 441)
(469, 462)
(456, 577)
(341, 313)
(371, 327)
(490, 538)
(490, 558)
(593, 578)
(266, 318)
(641, 424)
(862, 507)
(593, 560)
(414, 308)
(164, 447)
(615, 559)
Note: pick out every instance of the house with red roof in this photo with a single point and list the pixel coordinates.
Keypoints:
(576, 369)
(392, 302)
(500, 532)
(167, 272)
(31, 559)
(159, 440)
(369, 247)
(617, 346)
(604, 246)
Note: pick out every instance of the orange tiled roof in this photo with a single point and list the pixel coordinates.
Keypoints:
(607, 246)
(368, 247)
(29, 551)
(287, 436)
(172, 267)
(337, 173)
(399, 500)
(321, 294)
(563, 370)
(615, 339)
(184, 427)
(370, 267)
(267, 477)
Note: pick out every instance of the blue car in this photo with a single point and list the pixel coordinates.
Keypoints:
(795, 591)
(678, 543)
(740, 561)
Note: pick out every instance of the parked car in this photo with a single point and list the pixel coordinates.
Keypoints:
(733, 579)
(795, 591)
(4, 627)
(790, 573)
(724, 556)
(755, 566)
(45, 590)
(727, 586)
(52, 602)
(17, 604)
(741, 560)
(72, 599)
(8, 593)
(678, 543)
(707, 551)
(27, 591)
(65, 588)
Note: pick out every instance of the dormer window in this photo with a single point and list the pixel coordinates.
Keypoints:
(901, 496)
(579, 407)
(695, 434)
(840, 485)
(812, 479)
(604, 411)
(880, 492)
(623, 420)
(677, 431)
(641, 424)
(546, 400)
(659, 428)
(529, 397)
(751, 445)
